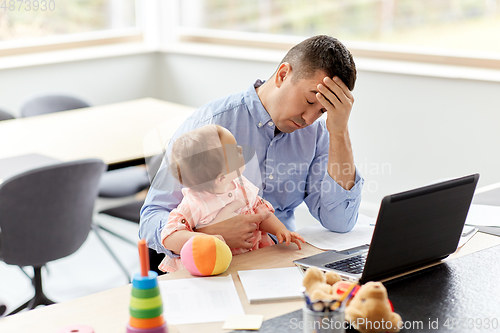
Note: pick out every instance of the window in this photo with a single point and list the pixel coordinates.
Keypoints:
(453, 26)
(25, 19)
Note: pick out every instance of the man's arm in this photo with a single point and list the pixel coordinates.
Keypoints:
(154, 216)
(334, 195)
(338, 100)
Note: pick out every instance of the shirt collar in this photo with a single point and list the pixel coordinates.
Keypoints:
(259, 114)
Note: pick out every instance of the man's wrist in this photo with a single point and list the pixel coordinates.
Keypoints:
(339, 134)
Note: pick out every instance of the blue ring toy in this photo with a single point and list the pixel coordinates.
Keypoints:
(145, 282)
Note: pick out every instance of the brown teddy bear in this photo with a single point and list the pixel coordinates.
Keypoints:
(370, 310)
(319, 285)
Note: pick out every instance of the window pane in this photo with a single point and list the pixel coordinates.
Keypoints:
(457, 24)
(30, 19)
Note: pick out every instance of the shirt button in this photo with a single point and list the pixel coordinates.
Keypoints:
(260, 124)
(270, 123)
(230, 194)
(271, 144)
(271, 177)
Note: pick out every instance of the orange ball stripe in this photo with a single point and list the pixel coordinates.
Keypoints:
(205, 263)
(147, 323)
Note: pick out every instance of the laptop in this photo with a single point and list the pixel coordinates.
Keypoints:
(414, 229)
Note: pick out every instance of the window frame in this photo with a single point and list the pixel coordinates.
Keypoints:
(415, 54)
(70, 41)
(137, 34)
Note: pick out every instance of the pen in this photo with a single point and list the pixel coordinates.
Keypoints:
(348, 292)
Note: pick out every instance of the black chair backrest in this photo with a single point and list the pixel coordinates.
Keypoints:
(46, 213)
(51, 103)
(4, 115)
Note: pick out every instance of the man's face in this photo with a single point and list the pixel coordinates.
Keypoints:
(295, 104)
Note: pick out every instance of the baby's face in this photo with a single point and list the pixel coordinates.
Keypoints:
(232, 152)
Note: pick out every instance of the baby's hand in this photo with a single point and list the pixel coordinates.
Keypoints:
(285, 234)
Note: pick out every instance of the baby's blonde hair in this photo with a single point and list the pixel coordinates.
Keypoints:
(197, 158)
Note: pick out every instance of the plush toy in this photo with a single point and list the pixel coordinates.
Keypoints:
(371, 307)
(319, 285)
(332, 278)
(205, 255)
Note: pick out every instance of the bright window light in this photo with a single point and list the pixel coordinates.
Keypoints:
(28, 19)
(444, 24)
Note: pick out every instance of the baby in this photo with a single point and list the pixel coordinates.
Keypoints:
(209, 164)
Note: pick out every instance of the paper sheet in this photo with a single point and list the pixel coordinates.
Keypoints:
(274, 284)
(483, 215)
(199, 300)
(245, 322)
(324, 239)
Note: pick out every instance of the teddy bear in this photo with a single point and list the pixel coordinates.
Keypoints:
(370, 310)
(319, 285)
(317, 281)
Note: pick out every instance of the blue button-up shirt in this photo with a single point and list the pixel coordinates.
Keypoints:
(293, 168)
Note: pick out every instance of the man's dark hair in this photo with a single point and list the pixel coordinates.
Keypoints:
(322, 53)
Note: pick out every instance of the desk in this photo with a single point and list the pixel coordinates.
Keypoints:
(114, 133)
(107, 312)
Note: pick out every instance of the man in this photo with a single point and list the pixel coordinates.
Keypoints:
(300, 159)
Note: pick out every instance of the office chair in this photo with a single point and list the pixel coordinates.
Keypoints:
(50, 103)
(46, 214)
(131, 211)
(114, 184)
(4, 115)
(123, 183)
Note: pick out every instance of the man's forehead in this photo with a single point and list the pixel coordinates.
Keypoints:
(312, 81)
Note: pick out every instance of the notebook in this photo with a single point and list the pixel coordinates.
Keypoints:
(272, 285)
(413, 229)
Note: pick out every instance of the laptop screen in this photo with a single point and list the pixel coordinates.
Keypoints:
(418, 226)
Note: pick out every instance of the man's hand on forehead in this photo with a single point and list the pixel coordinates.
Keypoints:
(337, 99)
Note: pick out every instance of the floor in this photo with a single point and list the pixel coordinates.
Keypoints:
(89, 270)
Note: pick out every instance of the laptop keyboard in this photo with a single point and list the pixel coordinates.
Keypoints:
(353, 265)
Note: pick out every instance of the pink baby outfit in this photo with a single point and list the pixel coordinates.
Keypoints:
(198, 209)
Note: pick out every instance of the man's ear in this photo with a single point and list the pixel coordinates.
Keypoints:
(283, 73)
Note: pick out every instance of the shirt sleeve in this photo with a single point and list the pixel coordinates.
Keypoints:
(262, 205)
(333, 206)
(154, 217)
(184, 217)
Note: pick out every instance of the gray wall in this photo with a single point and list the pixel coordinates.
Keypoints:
(99, 81)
